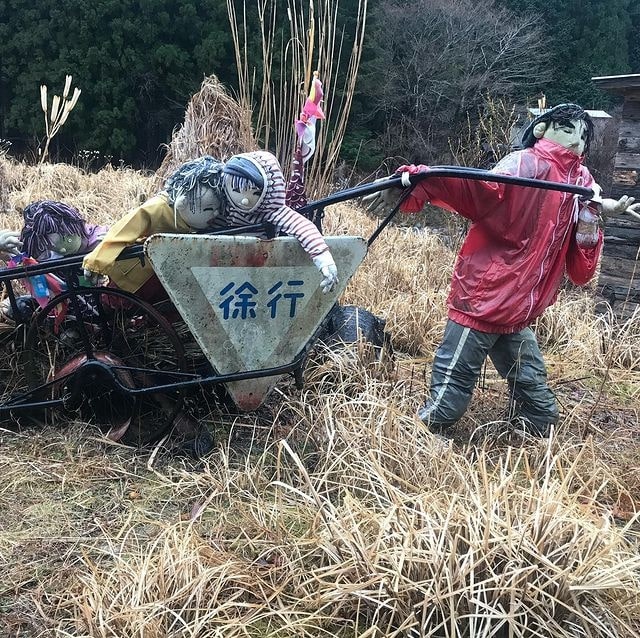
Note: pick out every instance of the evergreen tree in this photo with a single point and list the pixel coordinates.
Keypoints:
(136, 61)
(588, 38)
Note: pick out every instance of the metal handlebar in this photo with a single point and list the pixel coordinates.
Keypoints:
(445, 171)
(341, 196)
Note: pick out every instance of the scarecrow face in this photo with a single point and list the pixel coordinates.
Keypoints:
(572, 134)
(64, 244)
(198, 208)
(243, 194)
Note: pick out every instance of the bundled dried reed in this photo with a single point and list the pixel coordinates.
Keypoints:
(276, 82)
(214, 124)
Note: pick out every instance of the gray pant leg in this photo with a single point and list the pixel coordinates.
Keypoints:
(518, 359)
(456, 368)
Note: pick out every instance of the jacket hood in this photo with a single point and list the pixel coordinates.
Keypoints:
(273, 193)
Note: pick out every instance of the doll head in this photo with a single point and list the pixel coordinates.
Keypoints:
(52, 227)
(245, 181)
(194, 191)
(566, 124)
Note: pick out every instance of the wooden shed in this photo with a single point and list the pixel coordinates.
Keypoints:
(620, 269)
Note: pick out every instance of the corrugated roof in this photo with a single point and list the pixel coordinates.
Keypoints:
(617, 82)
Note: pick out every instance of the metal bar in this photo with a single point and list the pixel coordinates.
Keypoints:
(17, 402)
(446, 171)
(19, 407)
(203, 381)
(383, 224)
(130, 252)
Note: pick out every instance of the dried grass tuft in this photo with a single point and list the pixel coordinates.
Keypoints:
(101, 197)
(379, 529)
(214, 124)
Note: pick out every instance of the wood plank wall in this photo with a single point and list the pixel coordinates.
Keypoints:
(619, 279)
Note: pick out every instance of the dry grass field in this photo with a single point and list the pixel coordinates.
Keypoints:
(331, 511)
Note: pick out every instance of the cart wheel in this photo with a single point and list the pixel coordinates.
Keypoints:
(128, 335)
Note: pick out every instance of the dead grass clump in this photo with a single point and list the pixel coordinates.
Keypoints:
(177, 584)
(108, 194)
(621, 341)
(101, 197)
(14, 178)
(60, 180)
(390, 533)
(214, 124)
(573, 329)
(468, 549)
(4, 185)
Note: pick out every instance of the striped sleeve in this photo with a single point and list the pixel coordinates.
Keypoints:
(293, 223)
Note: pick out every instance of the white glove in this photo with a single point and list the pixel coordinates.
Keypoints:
(95, 278)
(621, 206)
(10, 243)
(384, 199)
(327, 267)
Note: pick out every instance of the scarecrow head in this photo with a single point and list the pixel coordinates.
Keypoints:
(51, 226)
(566, 124)
(194, 191)
(246, 180)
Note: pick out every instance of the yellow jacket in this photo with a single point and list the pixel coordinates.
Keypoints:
(154, 216)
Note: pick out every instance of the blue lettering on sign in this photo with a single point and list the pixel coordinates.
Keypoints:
(239, 303)
(244, 307)
(291, 296)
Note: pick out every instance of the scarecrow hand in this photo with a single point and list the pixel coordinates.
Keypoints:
(10, 243)
(388, 197)
(327, 267)
(95, 278)
(621, 206)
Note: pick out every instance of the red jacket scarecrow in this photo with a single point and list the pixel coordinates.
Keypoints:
(521, 240)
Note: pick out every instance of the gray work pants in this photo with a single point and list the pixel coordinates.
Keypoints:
(457, 366)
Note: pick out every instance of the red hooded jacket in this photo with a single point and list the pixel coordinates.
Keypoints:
(521, 240)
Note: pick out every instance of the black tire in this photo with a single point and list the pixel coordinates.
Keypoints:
(116, 327)
(349, 324)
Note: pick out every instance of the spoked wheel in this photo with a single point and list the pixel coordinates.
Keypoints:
(128, 339)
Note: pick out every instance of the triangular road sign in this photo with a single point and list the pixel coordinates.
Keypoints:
(250, 303)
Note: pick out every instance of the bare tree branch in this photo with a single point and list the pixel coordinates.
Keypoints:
(437, 60)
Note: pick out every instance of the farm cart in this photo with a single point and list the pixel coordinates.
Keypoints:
(242, 313)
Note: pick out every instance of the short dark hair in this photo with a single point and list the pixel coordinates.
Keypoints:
(202, 171)
(560, 114)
